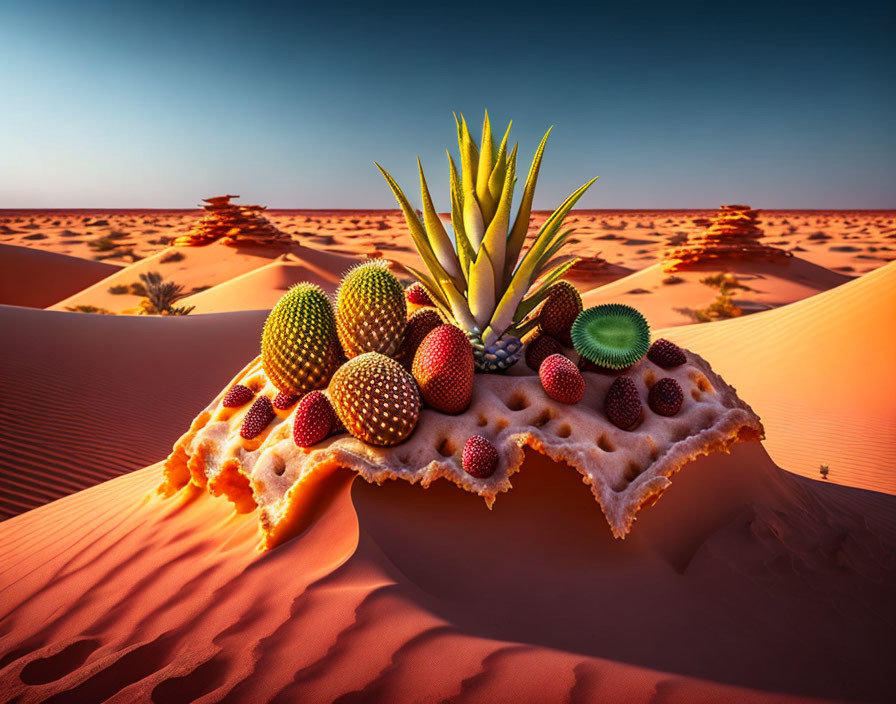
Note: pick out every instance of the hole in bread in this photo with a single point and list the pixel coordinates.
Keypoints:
(649, 378)
(278, 465)
(256, 384)
(500, 424)
(633, 471)
(404, 459)
(701, 381)
(517, 402)
(446, 447)
(564, 431)
(605, 444)
(482, 421)
(695, 394)
(652, 448)
(545, 417)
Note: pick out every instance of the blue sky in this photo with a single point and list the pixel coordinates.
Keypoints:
(134, 104)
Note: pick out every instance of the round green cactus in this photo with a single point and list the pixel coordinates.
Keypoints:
(371, 310)
(299, 346)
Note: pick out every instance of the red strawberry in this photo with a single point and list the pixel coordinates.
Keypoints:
(666, 354)
(443, 368)
(284, 401)
(480, 458)
(665, 397)
(622, 403)
(420, 324)
(559, 311)
(539, 349)
(257, 418)
(315, 419)
(561, 379)
(417, 295)
(238, 395)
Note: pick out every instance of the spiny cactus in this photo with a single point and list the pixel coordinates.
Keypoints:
(375, 398)
(299, 347)
(371, 310)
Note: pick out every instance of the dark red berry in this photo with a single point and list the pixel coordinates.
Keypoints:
(257, 418)
(666, 354)
(284, 401)
(540, 349)
(622, 403)
(665, 397)
(315, 419)
(480, 458)
(238, 395)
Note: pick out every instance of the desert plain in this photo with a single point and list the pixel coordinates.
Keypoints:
(764, 575)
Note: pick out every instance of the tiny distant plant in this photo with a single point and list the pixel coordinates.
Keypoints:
(102, 244)
(723, 307)
(823, 471)
(171, 257)
(119, 289)
(162, 295)
(83, 308)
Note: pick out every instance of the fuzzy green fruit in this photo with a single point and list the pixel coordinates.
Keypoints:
(299, 346)
(371, 310)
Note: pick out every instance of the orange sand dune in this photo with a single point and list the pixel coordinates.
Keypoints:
(662, 296)
(89, 397)
(261, 288)
(822, 375)
(35, 278)
(744, 584)
(191, 267)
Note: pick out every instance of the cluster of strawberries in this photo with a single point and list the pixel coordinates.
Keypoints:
(562, 380)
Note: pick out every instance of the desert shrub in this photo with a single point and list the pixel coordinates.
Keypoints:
(161, 296)
(172, 257)
(89, 309)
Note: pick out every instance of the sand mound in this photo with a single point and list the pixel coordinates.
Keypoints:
(261, 288)
(820, 372)
(233, 225)
(195, 268)
(734, 233)
(88, 397)
(742, 577)
(37, 279)
(668, 300)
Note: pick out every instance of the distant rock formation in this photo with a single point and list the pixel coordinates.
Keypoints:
(734, 233)
(235, 225)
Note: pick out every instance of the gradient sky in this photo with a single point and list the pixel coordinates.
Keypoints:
(139, 104)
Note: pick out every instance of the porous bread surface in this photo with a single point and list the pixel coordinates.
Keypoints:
(624, 469)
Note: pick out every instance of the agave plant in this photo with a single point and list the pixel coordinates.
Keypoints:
(478, 277)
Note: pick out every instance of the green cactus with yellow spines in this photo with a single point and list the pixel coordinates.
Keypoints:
(371, 310)
(299, 344)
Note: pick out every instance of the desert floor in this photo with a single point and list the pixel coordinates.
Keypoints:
(753, 578)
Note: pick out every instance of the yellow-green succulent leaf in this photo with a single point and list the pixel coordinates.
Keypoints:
(481, 291)
(524, 275)
(521, 329)
(484, 169)
(453, 307)
(419, 236)
(474, 227)
(495, 240)
(499, 171)
(461, 243)
(438, 238)
(521, 223)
